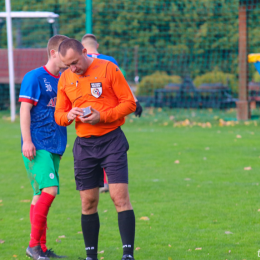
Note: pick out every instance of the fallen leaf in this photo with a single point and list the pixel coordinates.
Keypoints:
(239, 136)
(187, 179)
(101, 252)
(169, 245)
(229, 251)
(165, 123)
(151, 214)
(25, 200)
(80, 232)
(22, 187)
(21, 218)
(169, 258)
(258, 209)
(58, 241)
(189, 249)
(63, 236)
(228, 232)
(67, 145)
(1, 241)
(1, 204)
(144, 218)
(102, 258)
(138, 248)
(14, 255)
(105, 210)
(171, 117)
(248, 168)
(1, 201)
(177, 161)
(198, 248)
(207, 148)
(205, 158)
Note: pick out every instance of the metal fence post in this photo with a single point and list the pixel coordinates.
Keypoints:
(88, 16)
(10, 58)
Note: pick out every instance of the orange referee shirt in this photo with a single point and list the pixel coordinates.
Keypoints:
(102, 87)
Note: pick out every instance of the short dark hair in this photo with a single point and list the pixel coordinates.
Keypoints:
(70, 44)
(54, 42)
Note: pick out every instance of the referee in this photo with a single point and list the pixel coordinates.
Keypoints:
(89, 41)
(100, 142)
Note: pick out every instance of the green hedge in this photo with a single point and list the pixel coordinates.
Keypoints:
(155, 81)
(217, 76)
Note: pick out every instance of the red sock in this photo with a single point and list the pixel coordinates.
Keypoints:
(43, 240)
(43, 237)
(40, 213)
(105, 177)
(31, 213)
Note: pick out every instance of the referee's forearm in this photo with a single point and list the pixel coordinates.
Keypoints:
(120, 111)
(62, 119)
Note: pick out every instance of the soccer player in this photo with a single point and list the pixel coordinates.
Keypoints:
(101, 144)
(43, 143)
(89, 41)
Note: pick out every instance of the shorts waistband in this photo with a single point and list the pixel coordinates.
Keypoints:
(110, 134)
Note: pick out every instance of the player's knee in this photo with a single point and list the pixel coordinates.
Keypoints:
(51, 190)
(89, 205)
(121, 203)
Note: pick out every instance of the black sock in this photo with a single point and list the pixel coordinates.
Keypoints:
(126, 223)
(90, 229)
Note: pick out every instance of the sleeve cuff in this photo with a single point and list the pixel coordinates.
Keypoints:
(102, 117)
(28, 101)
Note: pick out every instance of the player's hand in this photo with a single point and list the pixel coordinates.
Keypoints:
(139, 109)
(93, 119)
(60, 157)
(74, 112)
(29, 150)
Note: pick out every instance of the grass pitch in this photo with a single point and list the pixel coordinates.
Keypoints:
(195, 192)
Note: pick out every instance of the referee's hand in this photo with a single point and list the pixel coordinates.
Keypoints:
(29, 150)
(74, 112)
(138, 110)
(93, 119)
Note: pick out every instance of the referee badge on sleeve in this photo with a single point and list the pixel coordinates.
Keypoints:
(96, 89)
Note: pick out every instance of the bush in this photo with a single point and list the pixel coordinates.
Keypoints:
(217, 76)
(155, 81)
(256, 77)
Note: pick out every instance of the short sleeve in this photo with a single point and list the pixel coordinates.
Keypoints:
(30, 89)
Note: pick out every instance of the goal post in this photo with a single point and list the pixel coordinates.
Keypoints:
(8, 15)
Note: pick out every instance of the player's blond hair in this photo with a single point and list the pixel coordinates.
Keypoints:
(89, 40)
(54, 43)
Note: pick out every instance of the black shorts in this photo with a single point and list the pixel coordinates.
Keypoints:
(93, 154)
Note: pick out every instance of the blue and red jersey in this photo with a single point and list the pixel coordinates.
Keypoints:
(103, 57)
(39, 87)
